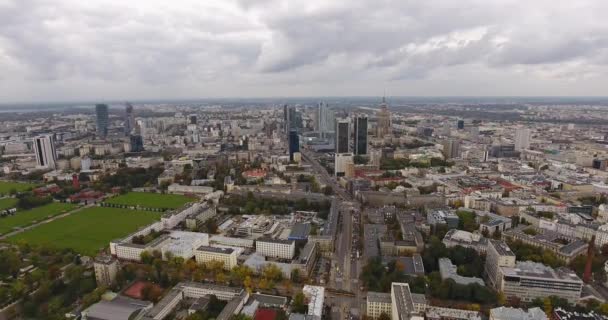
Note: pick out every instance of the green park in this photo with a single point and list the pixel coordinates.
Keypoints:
(88, 230)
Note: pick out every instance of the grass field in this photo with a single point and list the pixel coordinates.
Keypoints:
(7, 186)
(151, 200)
(25, 218)
(88, 230)
(8, 203)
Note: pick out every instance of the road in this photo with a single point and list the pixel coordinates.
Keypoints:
(345, 265)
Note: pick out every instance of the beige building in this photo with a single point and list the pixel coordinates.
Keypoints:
(206, 254)
(106, 268)
(378, 303)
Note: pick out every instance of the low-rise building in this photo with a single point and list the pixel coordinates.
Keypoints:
(378, 303)
(455, 237)
(507, 313)
(449, 271)
(530, 280)
(439, 313)
(227, 256)
(276, 248)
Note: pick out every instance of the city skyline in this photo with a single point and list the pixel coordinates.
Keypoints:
(61, 51)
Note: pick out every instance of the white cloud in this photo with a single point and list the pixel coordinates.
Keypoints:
(114, 49)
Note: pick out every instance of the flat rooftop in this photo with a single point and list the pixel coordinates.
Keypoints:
(215, 249)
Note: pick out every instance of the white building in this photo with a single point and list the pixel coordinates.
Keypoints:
(275, 248)
(106, 268)
(530, 280)
(522, 139)
(507, 313)
(46, 154)
(316, 297)
(228, 256)
(498, 255)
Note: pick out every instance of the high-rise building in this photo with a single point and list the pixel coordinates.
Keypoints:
(325, 120)
(294, 144)
(451, 148)
(101, 121)
(192, 119)
(360, 135)
(44, 148)
(522, 139)
(129, 119)
(460, 124)
(342, 136)
(136, 143)
(106, 268)
(384, 120)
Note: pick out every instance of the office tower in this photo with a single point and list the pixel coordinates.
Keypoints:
(360, 135)
(101, 121)
(498, 255)
(192, 119)
(325, 120)
(342, 136)
(129, 119)
(460, 124)
(137, 143)
(44, 148)
(294, 144)
(384, 120)
(522, 139)
(451, 148)
(286, 118)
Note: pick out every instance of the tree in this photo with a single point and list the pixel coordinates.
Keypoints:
(298, 305)
(384, 316)
(272, 272)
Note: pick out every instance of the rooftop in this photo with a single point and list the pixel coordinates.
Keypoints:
(215, 249)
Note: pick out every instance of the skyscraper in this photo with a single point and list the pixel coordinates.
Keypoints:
(360, 135)
(136, 143)
(325, 120)
(294, 144)
(342, 135)
(129, 119)
(384, 120)
(101, 121)
(451, 148)
(522, 139)
(44, 148)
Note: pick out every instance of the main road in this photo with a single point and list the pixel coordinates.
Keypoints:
(345, 264)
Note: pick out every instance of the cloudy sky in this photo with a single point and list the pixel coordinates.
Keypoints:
(70, 50)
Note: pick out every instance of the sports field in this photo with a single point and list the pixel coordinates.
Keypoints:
(8, 203)
(151, 200)
(25, 218)
(7, 186)
(88, 230)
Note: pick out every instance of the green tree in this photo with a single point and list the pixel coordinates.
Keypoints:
(298, 305)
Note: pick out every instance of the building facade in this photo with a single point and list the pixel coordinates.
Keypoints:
(360, 129)
(46, 154)
(101, 120)
(227, 256)
(282, 249)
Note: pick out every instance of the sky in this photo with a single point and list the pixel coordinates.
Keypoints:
(77, 50)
